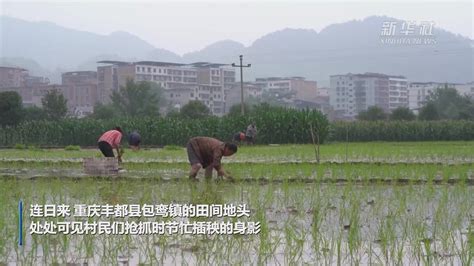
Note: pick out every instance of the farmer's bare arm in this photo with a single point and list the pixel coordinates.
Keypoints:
(119, 154)
(222, 173)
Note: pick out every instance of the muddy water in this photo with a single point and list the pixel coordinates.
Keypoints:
(300, 223)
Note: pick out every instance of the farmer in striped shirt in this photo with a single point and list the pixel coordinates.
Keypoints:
(111, 140)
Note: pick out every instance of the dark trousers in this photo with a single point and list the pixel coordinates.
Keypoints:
(106, 149)
(192, 156)
(249, 139)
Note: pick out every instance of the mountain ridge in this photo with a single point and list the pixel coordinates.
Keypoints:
(353, 46)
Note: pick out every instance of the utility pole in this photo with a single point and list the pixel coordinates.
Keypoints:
(241, 83)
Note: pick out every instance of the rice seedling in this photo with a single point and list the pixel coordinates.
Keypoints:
(405, 207)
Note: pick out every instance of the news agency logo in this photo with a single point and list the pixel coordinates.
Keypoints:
(408, 33)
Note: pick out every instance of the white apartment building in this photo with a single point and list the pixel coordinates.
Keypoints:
(289, 89)
(398, 92)
(182, 83)
(352, 93)
(274, 83)
(342, 95)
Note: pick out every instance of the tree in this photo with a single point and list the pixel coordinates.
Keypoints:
(138, 99)
(402, 113)
(428, 112)
(373, 113)
(235, 109)
(54, 105)
(449, 104)
(104, 111)
(11, 108)
(173, 113)
(34, 113)
(195, 110)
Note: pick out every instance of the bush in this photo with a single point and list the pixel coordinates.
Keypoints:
(172, 148)
(402, 113)
(34, 148)
(72, 148)
(373, 113)
(20, 146)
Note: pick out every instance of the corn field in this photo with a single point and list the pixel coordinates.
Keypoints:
(402, 130)
(278, 126)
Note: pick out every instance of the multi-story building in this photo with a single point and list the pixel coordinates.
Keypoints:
(81, 91)
(31, 81)
(33, 95)
(111, 75)
(206, 82)
(234, 94)
(289, 89)
(12, 77)
(301, 87)
(353, 93)
(30, 88)
(398, 92)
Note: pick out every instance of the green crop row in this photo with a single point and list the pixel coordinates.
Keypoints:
(276, 125)
(402, 130)
(279, 125)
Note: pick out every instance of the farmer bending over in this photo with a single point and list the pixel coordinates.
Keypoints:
(251, 133)
(204, 152)
(134, 140)
(111, 140)
(239, 137)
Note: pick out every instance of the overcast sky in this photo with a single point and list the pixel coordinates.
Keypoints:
(185, 26)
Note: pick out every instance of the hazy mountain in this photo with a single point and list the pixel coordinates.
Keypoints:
(33, 67)
(91, 63)
(55, 46)
(162, 55)
(222, 52)
(354, 46)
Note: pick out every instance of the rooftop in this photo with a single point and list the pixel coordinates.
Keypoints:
(279, 78)
(15, 68)
(370, 75)
(111, 62)
(158, 63)
(80, 72)
(207, 64)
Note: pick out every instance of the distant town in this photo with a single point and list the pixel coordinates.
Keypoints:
(216, 86)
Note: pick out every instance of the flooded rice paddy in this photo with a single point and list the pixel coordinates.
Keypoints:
(401, 211)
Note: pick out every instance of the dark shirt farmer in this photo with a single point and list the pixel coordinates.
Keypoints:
(134, 140)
